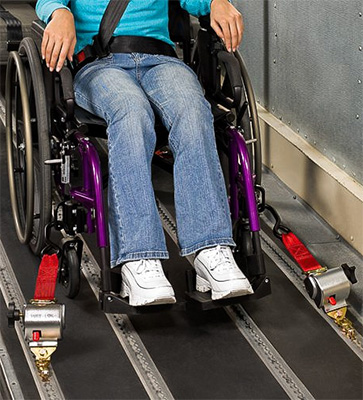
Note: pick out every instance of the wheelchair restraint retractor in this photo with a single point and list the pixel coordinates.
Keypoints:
(43, 319)
(329, 288)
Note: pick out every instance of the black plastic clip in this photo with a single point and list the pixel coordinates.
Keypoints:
(350, 273)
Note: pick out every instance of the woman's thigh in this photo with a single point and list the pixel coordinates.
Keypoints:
(108, 90)
(174, 90)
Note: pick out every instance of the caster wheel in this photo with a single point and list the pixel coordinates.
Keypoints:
(70, 272)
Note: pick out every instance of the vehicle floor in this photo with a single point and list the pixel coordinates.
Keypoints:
(200, 355)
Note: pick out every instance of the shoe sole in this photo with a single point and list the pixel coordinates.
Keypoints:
(143, 301)
(203, 286)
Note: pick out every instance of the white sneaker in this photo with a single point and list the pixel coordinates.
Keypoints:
(144, 282)
(217, 271)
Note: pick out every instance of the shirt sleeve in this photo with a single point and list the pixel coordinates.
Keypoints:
(196, 7)
(45, 8)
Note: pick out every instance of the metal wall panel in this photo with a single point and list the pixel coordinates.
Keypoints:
(305, 59)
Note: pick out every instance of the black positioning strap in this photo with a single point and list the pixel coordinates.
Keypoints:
(14, 30)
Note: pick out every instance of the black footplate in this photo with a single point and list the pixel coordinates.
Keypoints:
(114, 304)
(198, 301)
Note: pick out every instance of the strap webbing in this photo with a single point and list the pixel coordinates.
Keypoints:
(110, 19)
(47, 277)
(300, 253)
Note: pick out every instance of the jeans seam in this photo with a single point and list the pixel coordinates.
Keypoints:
(119, 223)
(91, 103)
(222, 188)
(140, 255)
(170, 123)
(162, 109)
(227, 241)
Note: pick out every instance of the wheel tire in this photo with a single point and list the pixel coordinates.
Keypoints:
(41, 144)
(250, 122)
(70, 273)
(19, 148)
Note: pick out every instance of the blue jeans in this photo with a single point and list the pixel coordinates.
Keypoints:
(126, 90)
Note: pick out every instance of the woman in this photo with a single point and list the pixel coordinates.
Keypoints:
(126, 88)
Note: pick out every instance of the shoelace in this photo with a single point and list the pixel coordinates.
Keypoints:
(219, 256)
(149, 266)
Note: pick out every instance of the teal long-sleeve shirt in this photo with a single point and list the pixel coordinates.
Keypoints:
(142, 17)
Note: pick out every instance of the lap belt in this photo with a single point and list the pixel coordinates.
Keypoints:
(137, 44)
(125, 44)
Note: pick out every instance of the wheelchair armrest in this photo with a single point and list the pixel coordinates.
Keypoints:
(38, 28)
(234, 74)
(64, 93)
(65, 105)
(67, 83)
(204, 22)
(61, 83)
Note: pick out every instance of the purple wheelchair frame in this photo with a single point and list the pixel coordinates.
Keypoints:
(90, 195)
(238, 153)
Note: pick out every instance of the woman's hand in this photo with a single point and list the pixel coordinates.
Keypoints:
(59, 39)
(227, 22)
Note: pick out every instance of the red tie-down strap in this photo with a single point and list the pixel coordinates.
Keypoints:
(47, 277)
(300, 253)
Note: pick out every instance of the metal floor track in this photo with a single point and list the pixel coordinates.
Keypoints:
(275, 348)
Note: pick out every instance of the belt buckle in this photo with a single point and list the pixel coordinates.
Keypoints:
(80, 60)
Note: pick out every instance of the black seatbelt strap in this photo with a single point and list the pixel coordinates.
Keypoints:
(14, 30)
(100, 46)
(110, 20)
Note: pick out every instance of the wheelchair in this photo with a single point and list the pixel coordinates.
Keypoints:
(55, 176)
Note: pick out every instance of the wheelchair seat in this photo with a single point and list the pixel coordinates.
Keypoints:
(96, 125)
(84, 117)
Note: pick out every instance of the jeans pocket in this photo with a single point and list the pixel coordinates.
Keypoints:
(98, 61)
(163, 58)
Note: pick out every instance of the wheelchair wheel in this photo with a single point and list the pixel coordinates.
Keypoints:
(32, 205)
(70, 272)
(19, 147)
(246, 117)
